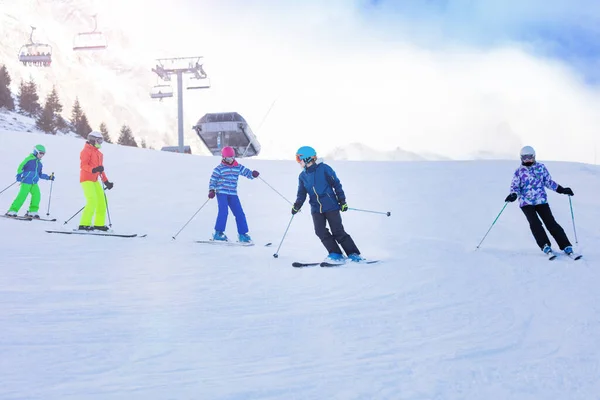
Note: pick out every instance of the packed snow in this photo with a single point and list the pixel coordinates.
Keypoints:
(87, 317)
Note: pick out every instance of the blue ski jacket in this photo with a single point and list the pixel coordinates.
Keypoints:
(30, 171)
(323, 187)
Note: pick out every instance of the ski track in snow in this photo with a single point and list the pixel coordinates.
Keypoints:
(155, 318)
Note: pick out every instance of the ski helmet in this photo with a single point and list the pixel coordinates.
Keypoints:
(95, 138)
(527, 155)
(227, 152)
(306, 154)
(38, 149)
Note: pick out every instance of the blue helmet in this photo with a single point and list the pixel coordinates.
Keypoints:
(306, 154)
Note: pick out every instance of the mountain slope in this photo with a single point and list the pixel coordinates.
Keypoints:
(154, 318)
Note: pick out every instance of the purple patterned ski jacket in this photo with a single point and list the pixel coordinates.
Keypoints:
(529, 184)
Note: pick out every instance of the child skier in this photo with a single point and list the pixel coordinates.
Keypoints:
(91, 168)
(528, 184)
(29, 173)
(326, 199)
(223, 185)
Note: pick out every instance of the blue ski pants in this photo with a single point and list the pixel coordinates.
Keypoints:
(227, 201)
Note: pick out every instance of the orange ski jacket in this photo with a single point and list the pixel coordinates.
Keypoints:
(91, 158)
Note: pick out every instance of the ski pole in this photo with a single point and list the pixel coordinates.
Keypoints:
(74, 215)
(573, 219)
(107, 210)
(8, 187)
(369, 211)
(493, 223)
(50, 196)
(190, 220)
(284, 234)
(282, 196)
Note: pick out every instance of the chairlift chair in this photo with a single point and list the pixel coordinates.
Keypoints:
(161, 92)
(35, 53)
(195, 83)
(94, 40)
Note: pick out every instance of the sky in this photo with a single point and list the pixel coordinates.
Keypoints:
(458, 78)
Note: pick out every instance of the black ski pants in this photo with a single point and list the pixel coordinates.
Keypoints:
(544, 212)
(337, 235)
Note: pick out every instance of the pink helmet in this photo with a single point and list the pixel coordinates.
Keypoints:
(227, 152)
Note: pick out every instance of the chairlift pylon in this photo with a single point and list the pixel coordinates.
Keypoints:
(161, 92)
(94, 40)
(37, 54)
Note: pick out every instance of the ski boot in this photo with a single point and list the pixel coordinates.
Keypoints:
(548, 251)
(355, 257)
(32, 215)
(11, 214)
(220, 236)
(568, 250)
(85, 228)
(335, 258)
(102, 228)
(244, 238)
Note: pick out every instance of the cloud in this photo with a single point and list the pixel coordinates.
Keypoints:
(454, 78)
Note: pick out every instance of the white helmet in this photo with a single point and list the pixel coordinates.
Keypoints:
(527, 156)
(95, 135)
(527, 151)
(95, 138)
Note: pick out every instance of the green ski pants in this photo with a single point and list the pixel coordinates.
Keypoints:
(36, 196)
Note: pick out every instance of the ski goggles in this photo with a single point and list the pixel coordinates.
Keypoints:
(299, 159)
(228, 160)
(40, 154)
(528, 158)
(99, 140)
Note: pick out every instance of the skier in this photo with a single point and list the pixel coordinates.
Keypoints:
(223, 184)
(528, 184)
(326, 198)
(91, 168)
(29, 173)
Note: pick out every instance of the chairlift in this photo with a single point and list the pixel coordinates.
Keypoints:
(217, 130)
(94, 40)
(161, 92)
(38, 54)
(195, 83)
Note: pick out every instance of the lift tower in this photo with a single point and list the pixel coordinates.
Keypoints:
(167, 67)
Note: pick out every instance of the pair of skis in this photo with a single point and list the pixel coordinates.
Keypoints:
(329, 264)
(228, 243)
(574, 256)
(25, 218)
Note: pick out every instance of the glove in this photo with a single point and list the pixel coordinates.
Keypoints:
(108, 185)
(19, 177)
(211, 194)
(511, 197)
(295, 208)
(343, 205)
(255, 174)
(98, 169)
(51, 177)
(563, 190)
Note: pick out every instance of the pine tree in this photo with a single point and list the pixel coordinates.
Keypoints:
(28, 98)
(104, 132)
(143, 145)
(54, 101)
(84, 128)
(76, 113)
(46, 120)
(50, 120)
(6, 99)
(126, 138)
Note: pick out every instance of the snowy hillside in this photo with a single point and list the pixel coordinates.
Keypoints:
(156, 318)
(113, 85)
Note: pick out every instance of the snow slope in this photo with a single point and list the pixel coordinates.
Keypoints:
(153, 318)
